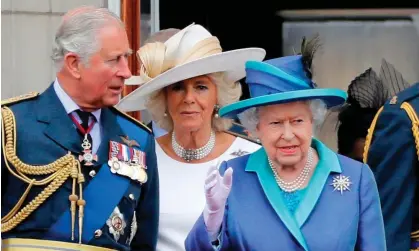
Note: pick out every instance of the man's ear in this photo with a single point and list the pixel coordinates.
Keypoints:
(72, 64)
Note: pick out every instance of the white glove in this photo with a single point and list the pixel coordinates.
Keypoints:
(217, 189)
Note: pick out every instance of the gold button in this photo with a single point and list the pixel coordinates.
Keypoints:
(98, 233)
(92, 173)
(131, 196)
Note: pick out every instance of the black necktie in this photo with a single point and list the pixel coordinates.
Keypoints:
(84, 116)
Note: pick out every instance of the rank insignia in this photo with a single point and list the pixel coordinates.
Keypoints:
(129, 142)
(393, 100)
(239, 153)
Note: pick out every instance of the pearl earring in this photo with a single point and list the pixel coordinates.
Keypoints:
(165, 114)
(216, 109)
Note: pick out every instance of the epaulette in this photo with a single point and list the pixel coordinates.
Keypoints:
(19, 98)
(237, 127)
(135, 121)
(239, 130)
(400, 100)
(243, 137)
(405, 95)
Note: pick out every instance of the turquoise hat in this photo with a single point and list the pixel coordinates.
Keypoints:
(283, 80)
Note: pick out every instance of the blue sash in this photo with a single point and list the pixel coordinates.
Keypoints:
(102, 195)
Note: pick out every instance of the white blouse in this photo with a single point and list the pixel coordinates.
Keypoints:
(182, 198)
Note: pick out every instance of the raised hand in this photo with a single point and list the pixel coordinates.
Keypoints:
(217, 189)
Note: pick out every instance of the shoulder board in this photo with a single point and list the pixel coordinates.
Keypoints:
(405, 95)
(19, 98)
(135, 121)
(237, 128)
(243, 137)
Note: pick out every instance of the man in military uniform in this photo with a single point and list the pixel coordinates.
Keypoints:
(392, 149)
(77, 174)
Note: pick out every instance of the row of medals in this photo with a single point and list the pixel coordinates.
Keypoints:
(132, 169)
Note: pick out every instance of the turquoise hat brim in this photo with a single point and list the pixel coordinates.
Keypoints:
(332, 97)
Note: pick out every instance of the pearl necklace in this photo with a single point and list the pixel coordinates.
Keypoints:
(296, 184)
(193, 154)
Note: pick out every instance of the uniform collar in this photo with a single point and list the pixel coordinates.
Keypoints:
(68, 103)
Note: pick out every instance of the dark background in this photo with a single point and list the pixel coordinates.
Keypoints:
(240, 24)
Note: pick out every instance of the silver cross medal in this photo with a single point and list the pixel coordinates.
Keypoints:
(87, 156)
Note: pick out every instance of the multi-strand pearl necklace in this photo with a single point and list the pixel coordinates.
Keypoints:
(193, 154)
(296, 184)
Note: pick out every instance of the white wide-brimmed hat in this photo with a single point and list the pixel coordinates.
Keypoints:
(189, 53)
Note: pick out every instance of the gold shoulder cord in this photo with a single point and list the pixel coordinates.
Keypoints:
(368, 139)
(59, 171)
(415, 123)
(415, 129)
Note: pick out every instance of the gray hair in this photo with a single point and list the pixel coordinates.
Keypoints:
(250, 117)
(78, 33)
(227, 93)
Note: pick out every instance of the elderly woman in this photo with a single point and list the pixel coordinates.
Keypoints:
(187, 79)
(294, 193)
(367, 93)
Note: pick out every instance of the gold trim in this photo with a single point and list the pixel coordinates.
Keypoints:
(18, 244)
(415, 128)
(19, 98)
(54, 175)
(415, 238)
(415, 123)
(368, 139)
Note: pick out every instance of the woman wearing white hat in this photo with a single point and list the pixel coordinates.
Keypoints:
(184, 82)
